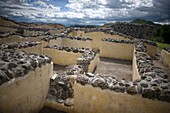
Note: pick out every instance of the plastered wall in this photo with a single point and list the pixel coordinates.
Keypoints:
(93, 64)
(58, 42)
(53, 32)
(26, 94)
(77, 43)
(97, 36)
(88, 99)
(135, 75)
(33, 49)
(165, 57)
(62, 57)
(116, 50)
(151, 50)
(76, 33)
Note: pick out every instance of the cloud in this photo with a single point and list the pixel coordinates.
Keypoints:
(85, 11)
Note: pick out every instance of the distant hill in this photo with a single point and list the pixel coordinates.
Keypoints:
(9, 22)
(136, 21)
(84, 26)
(140, 21)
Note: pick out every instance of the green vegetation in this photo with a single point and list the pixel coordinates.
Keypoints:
(139, 21)
(162, 45)
(161, 33)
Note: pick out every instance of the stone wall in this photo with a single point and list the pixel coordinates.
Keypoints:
(77, 43)
(34, 49)
(24, 81)
(62, 57)
(69, 41)
(26, 94)
(28, 47)
(135, 76)
(165, 57)
(88, 99)
(105, 94)
(17, 38)
(140, 31)
(97, 36)
(117, 49)
(71, 56)
(149, 92)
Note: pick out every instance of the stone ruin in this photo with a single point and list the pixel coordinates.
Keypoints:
(28, 82)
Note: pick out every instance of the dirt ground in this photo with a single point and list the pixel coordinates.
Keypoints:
(118, 68)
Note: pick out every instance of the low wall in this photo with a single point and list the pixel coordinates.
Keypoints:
(88, 99)
(151, 50)
(77, 43)
(17, 38)
(165, 57)
(97, 36)
(76, 33)
(116, 50)
(26, 94)
(58, 42)
(53, 32)
(135, 75)
(33, 49)
(93, 64)
(62, 57)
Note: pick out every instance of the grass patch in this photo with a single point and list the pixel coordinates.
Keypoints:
(162, 45)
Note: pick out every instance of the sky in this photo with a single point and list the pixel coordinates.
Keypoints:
(85, 12)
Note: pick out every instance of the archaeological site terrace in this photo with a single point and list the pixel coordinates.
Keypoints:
(114, 69)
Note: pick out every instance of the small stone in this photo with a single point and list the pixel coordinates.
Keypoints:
(60, 100)
(69, 102)
(144, 83)
(3, 77)
(118, 88)
(53, 91)
(90, 74)
(132, 90)
(164, 85)
(148, 93)
(12, 65)
(61, 83)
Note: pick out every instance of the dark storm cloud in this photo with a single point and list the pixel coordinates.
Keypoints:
(85, 11)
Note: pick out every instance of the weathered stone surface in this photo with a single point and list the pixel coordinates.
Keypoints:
(118, 40)
(18, 45)
(61, 89)
(132, 90)
(69, 102)
(148, 93)
(13, 64)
